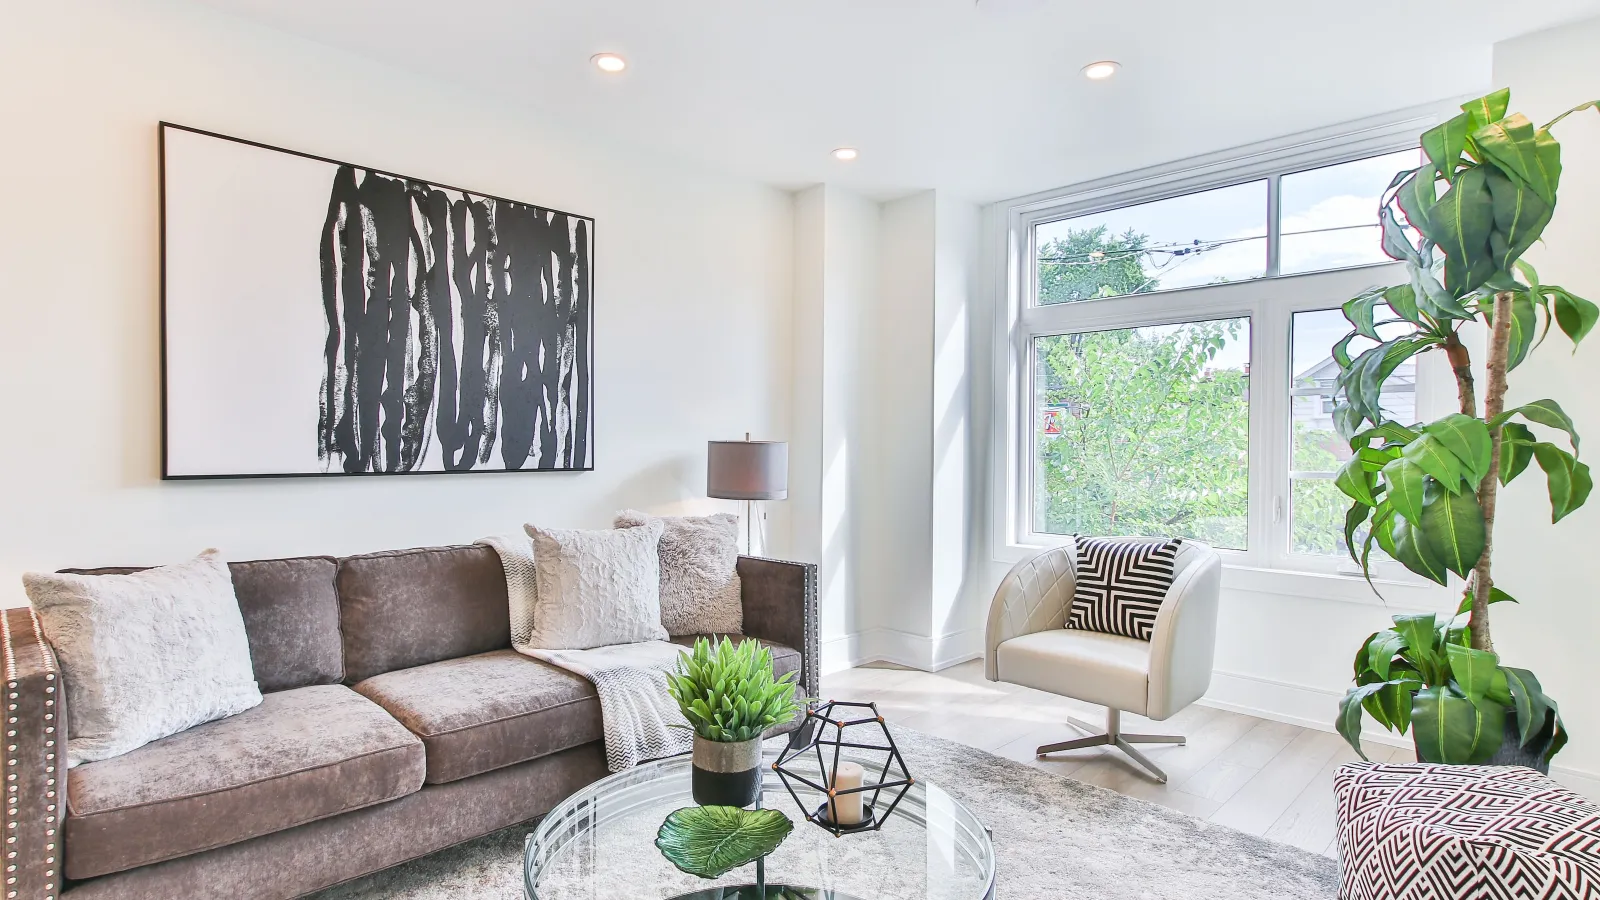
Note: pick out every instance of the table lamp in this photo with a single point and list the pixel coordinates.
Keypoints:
(750, 471)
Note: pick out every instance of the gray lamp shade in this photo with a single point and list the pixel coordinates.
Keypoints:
(747, 470)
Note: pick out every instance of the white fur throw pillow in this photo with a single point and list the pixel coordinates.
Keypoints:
(145, 655)
(699, 572)
(595, 588)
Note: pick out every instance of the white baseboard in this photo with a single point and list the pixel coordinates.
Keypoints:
(901, 648)
(1314, 707)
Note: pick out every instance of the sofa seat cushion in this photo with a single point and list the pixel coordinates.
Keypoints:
(303, 754)
(487, 711)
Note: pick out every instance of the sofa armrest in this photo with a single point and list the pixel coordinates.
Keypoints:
(780, 605)
(35, 731)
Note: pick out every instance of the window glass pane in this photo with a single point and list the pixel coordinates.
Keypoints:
(1210, 237)
(1144, 431)
(1329, 216)
(1316, 452)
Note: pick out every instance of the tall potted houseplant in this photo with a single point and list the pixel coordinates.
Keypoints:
(1425, 493)
(730, 697)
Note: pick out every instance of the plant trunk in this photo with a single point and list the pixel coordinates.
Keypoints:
(1494, 403)
(1461, 365)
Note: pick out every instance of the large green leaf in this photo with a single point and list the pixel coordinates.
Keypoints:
(1349, 721)
(1444, 142)
(1449, 728)
(1405, 481)
(1413, 551)
(1421, 644)
(1543, 412)
(1516, 450)
(1354, 518)
(1381, 651)
(1430, 454)
(1355, 482)
(1402, 298)
(1512, 144)
(710, 841)
(1523, 332)
(1520, 216)
(1495, 596)
(1488, 108)
(1452, 527)
(1433, 299)
(1390, 705)
(1530, 702)
(1473, 670)
(1395, 242)
(1468, 438)
(1360, 309)
(1569, 480)
(1575, 315)
(1461, 224)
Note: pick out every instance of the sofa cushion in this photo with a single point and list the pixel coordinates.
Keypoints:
(407, 608)
(291, 616)
(483, 712)
(303, 754)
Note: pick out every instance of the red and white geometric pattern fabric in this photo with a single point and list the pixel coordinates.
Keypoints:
(1431, 832)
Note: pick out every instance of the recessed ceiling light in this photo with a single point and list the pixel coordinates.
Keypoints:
(1100, 71)
(609, 62)
(845, 153)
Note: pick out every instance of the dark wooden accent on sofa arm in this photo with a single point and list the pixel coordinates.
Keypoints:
(780, 604)
(36, 741)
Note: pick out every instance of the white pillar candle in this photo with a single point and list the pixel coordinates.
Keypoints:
(846, 809)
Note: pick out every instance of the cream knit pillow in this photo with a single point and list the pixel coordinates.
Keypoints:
(596, 588)
(145, 655)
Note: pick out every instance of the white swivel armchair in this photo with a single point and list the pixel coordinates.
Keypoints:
(1027, 643)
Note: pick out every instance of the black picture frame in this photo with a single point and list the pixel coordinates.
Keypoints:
(588, 347)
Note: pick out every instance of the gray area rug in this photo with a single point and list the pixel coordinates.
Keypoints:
(1055, 838)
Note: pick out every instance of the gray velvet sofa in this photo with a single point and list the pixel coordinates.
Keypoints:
(397, 721)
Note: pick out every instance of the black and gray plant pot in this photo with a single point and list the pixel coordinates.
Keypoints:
(726, 774)
(1512, 753)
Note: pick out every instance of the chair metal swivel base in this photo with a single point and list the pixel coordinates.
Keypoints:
(1115, 737)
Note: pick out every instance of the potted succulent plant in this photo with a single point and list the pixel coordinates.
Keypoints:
(1425, 493)
(731, 697)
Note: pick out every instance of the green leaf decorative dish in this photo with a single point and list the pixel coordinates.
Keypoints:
(710, 841)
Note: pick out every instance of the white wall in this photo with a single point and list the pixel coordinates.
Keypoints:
(1549, 568)
(693, 288)
(836, 253)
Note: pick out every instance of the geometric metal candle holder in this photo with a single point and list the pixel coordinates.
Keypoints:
(826, 731)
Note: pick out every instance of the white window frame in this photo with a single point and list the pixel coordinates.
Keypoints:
(1269, 302)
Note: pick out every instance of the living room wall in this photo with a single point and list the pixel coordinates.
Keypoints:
(693, 291)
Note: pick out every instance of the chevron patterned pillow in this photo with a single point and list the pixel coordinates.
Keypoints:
(1121, 583)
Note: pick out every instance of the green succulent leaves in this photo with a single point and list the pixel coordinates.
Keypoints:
(728, 692)
(710, 841)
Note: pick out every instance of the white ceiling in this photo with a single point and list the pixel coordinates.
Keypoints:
(981, 99)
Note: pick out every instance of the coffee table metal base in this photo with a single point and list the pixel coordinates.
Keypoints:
(772, 892)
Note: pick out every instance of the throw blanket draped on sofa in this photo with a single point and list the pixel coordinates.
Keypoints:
(642, 721)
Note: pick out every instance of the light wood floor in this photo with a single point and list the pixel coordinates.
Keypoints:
(1266, 778)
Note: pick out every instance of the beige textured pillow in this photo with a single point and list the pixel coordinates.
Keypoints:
(595, 588)
(145, 655)
(699, 572)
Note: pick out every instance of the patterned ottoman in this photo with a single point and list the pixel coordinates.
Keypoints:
(1427, 832)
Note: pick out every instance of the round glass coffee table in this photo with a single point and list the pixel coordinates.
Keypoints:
(599, 844)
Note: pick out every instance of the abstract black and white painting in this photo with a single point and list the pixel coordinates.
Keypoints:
(324, 318)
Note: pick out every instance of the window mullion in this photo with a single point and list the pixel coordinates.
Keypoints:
(1274, 222)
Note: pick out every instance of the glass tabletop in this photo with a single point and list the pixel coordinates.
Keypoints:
(599, 844)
